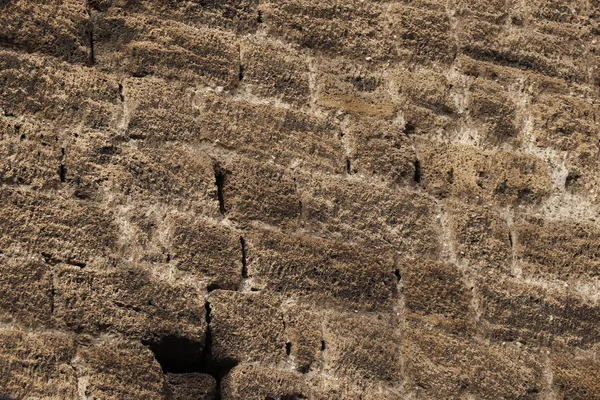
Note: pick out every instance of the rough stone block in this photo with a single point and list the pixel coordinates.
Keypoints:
(350, 210)
(61, 93)
(479, 175)
(494, 113)
(127, 300)
(381, 150)
(353, 87)
(112, 369)
(138, 45)
(363, 347)
(435, 295)
(191, 386)
(565, 123)
(322, 271)
(26, 286)
(60, 229)
(426, 100)
(37, 365)
(283, 136)
(304, 337)
(444, 366)
(245, 327)
(259, 192)
(254, 382)
(481, 237)
(238, 15)
(204, 249)
(32, 154)
(273, 70)
(513, 311)
(424, 34)
(558, 249)
(27, 26)
(575, 377)
(341, 27)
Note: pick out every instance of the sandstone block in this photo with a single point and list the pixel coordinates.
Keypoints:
(365, 348)
(272, 70)
(26, 284)
(204, 249)
(37, 365)
(322, 271)
(478, 175)
(351, 28)
(113, 369)
(353, 87)
(169, 49)
(67, 35)
(259, 192)
(127, 300)
(381, 150)
(481, 237)
(444, 366)
(513, 311)
(245, 327)
(435, 295)
(556, 249)
(254, 382)
(60, 229)
(191, 386)
(58, 92)
(350, 210)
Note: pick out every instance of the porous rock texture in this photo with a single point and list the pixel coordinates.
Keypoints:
(299, 199)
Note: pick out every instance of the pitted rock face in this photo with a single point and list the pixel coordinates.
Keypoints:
(292, 199)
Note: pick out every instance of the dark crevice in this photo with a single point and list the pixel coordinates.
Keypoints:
(51, 260)
(397, 273)
(121, 93)
(220, 182)
(323, 345)
(288, 348)
(179, 355)
(62, 170)
(409, 129)
(52, 294)
(244, 259)
(417, 176)
(510, 239)
(348, 166)
(241, 73)
(259, 18)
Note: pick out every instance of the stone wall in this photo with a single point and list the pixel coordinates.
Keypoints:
(294, 199)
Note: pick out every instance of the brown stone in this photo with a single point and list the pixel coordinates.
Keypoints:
(191, 385)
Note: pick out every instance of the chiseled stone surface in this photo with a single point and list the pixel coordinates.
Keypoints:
(297, 199)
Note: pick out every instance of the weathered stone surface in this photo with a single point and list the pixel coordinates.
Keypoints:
(439, 365)
(271, 70)
(353, 28)
(125, 299)
(482, 176)
(481, 237)
(191, 386)
(26, 284)
(253, 382)
(575, 377)
(381, 150)
(58, 92)
(435, 294)
(304, 337)
(515, 312)
(354, 88)
(126, 43)
(354, 211)
(259, 192)
(558, 249)
(363, 348)
(245, 327)
(37, 365)
(113, 369)
(59, 229)
(321, 271)
(27, 27)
